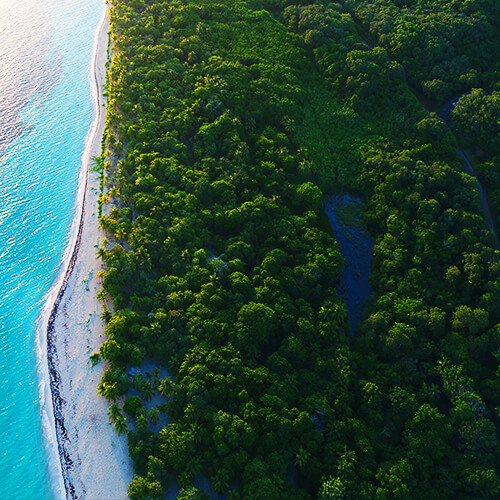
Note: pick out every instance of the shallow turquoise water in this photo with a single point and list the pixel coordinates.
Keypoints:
(45, 114)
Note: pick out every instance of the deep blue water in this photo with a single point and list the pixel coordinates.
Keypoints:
(356, 247)
(46, 111)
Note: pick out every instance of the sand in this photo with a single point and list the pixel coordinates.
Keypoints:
(93, 460)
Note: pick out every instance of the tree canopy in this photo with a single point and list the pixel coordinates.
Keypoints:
(227, 124)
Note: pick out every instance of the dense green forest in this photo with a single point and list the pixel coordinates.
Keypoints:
(228, 121)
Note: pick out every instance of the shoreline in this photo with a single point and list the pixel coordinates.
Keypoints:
(74, 417)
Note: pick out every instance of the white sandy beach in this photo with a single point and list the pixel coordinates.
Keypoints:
(94, 459)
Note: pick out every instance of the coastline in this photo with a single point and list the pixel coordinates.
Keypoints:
(86, 457)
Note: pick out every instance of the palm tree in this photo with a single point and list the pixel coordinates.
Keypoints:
(100, 252)
(194, 465)
(165, 387)
(138, 379)
(146, 390)
(163, 407)
(108, 389)
(191, 413)
(114, 412)
(120, 425)
(156, 373)
(302, 457)
(154, 416)
(141, 420)
(195, 432)
(221, 481)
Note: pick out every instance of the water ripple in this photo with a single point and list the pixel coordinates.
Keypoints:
(45, 113)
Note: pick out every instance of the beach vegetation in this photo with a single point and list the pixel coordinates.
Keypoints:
(142, 488)
(94, 359)
(120, 424)
(133, 406)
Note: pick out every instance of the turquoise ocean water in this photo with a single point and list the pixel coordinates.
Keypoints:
(46, 111)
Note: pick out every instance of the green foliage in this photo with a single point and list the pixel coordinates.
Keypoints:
(94, 359)
(228, 121)
(133, 406)
(445, 47)
(142, 488)
(192, 493)
(477, 117)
